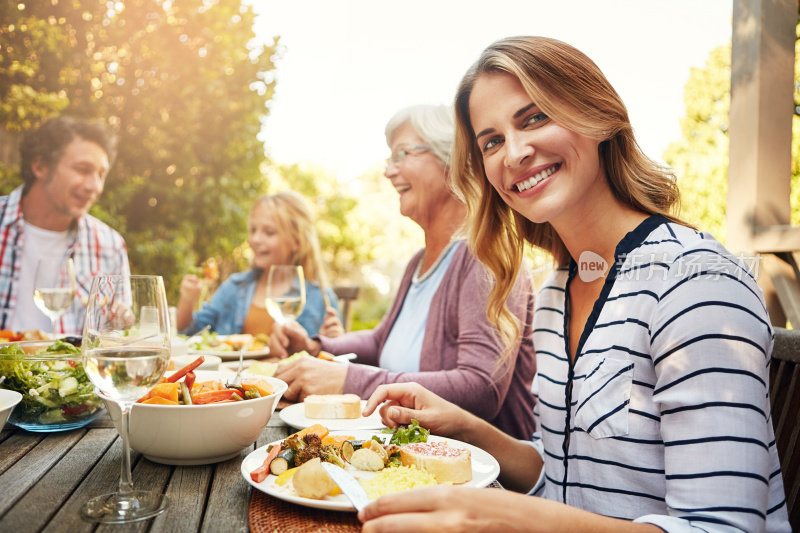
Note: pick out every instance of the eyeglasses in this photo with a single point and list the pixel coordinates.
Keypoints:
(401, 153)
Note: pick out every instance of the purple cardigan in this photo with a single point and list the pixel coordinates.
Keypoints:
(460, 348)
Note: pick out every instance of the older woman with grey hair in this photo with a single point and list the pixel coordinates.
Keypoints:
(436, 333)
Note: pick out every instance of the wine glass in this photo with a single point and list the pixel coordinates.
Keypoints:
(286, 292)
(54, 288)
(126, 343)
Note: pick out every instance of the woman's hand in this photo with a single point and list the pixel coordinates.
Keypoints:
(448, 509)
(290, 338)
(403, 401)
(472, 510)
(191, 288)
(309, 375)
(331, 325)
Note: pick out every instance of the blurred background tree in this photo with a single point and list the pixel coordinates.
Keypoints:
(700, 157)
(185, 89)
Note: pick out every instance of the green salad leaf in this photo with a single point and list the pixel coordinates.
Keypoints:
(408, 434)
(54, 389)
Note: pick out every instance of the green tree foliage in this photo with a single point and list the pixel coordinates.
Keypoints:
(184, 86)
(700, 158)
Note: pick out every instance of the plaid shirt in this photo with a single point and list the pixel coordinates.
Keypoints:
(94, 247)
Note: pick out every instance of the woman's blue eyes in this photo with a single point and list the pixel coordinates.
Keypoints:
(536, 117)
(491, 143)
(532, 120)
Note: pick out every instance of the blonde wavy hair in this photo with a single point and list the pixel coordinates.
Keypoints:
(295, 221)
(568, 87)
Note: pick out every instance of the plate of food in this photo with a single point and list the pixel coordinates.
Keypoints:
(380, 467)
(8, 336)
(227, 346)
(337, 412)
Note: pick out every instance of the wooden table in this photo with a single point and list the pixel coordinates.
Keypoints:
(46, 477)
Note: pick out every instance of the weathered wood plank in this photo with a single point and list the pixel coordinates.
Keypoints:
(36, 507)
(71, 467)
(16, 445)
(103, 478)
(28, 470)
(229, 497)
(188, 493)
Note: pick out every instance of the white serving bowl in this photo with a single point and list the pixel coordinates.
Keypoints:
(8, 401)
(211, 362)
(199, 434)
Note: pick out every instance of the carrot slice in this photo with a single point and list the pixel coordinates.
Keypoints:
(185, 370)
(263, 388)
(168, 391)
(158, 400)
(260, 474)
(190, 377)
(216, 396)
(336, 440)
(317, 429)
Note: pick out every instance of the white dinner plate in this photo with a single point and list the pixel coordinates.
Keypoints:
(295, 415)
(227, 355)
(484, 470)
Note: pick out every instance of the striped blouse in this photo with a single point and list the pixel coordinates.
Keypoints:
(664, 415)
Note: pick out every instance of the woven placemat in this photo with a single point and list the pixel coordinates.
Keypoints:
(271, 515)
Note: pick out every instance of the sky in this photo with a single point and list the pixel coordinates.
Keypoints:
(346, 66)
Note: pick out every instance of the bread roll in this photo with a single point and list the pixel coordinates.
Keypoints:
(446, 464)
(332, 406)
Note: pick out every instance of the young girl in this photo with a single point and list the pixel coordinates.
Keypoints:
(280, 232)
(652, 341)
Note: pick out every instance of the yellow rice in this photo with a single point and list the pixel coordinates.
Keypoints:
(396, 479)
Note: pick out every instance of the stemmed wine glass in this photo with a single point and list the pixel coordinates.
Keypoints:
(126, 343)
(286, 292)
(54, 289)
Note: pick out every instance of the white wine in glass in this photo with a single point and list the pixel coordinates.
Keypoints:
(286, 292)
(54, 289)
(126, 343)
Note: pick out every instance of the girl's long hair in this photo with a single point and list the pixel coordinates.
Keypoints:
(296, 223)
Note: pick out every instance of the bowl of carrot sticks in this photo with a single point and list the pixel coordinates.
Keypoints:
(196, 417)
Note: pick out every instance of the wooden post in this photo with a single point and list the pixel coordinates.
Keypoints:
(762, 107)
(762, 84)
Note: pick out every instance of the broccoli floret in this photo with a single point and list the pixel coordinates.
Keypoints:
(330, 454)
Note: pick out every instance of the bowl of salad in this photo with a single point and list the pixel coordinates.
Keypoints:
(56, 392)
(195, 417)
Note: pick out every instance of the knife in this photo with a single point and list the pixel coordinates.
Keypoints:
(349, 485)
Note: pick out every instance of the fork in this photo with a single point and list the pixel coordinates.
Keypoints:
(237, 379)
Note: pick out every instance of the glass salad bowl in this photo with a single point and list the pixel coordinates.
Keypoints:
(56, 393)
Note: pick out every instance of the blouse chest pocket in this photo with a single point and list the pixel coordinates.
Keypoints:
(604, 398)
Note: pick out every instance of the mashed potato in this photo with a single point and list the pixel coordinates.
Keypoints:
(396, 479)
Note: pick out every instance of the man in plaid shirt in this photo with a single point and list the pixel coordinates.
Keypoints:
(44, 221)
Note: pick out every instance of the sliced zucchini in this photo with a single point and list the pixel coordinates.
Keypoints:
(349, 446)
(283, 462)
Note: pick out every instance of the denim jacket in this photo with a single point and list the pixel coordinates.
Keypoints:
(229, 305)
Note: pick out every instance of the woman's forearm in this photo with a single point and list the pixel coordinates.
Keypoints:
(183, 314)
(520, 463)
